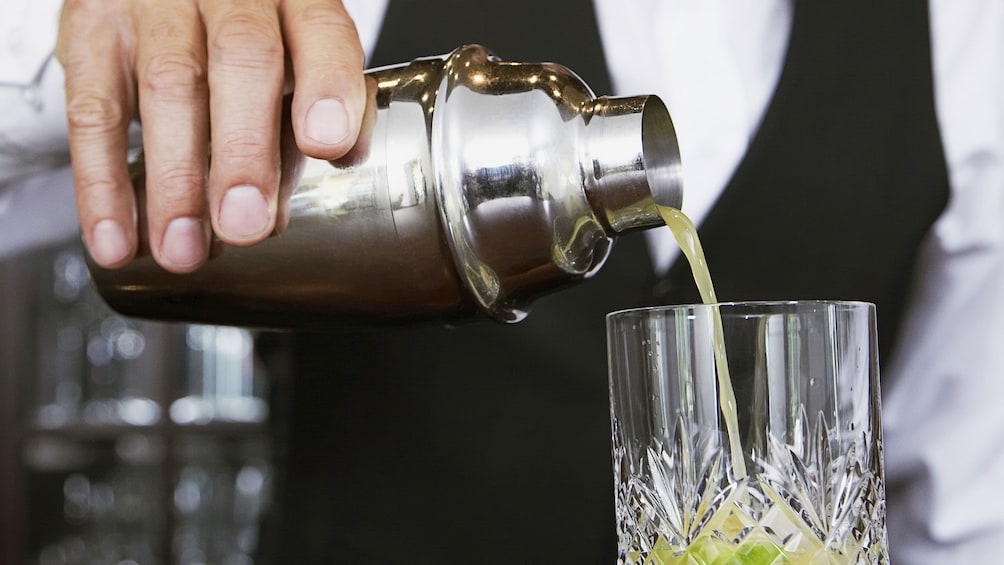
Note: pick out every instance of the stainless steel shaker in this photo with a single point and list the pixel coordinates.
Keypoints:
(477, 185)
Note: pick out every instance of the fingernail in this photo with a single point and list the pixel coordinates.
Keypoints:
(327, 122)
(108, 245)
(184, 244)
(244, 212)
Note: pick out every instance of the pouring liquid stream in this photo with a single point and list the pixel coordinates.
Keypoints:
(685, 233)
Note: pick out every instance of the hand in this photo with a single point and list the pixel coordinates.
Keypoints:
(204, 76)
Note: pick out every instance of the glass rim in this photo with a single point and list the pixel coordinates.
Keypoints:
(733, 305)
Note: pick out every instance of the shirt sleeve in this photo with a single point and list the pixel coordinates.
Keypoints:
(33, 122)
(36, 187)
(944, 428)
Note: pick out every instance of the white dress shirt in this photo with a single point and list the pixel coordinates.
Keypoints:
(716, 62)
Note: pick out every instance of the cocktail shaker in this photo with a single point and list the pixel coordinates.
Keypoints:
(477, 185)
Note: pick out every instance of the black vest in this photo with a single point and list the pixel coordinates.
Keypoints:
(491, 444)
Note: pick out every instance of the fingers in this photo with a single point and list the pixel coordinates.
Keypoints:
(208, 75)
(171, 73)
(99, 108)
(245, 54)
(328, 60)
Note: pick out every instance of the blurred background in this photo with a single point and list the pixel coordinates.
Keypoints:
(124, 441)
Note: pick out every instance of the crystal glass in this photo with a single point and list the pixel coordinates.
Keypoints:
(809, 488)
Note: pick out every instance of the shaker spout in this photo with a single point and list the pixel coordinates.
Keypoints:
(631, 160)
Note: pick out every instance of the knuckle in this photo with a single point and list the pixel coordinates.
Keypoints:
(244, 145)
(247, 39)
(95, 186)
(322, 15)
(174, 76)
(168, 29)
(91, 111)
(178, 181)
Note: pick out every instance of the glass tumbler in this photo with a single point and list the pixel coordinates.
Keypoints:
(806, 483)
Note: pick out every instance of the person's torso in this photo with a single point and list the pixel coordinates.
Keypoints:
(489, 443)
